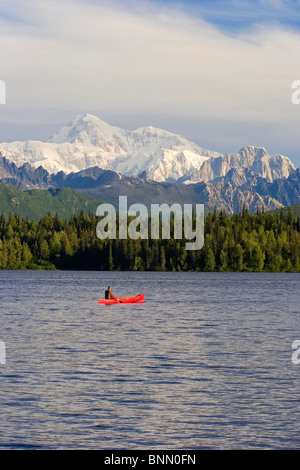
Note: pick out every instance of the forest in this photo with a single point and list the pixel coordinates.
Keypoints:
(240, 242)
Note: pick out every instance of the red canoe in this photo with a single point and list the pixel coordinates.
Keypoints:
(123, 300)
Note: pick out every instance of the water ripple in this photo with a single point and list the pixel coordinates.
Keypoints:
(211, 370)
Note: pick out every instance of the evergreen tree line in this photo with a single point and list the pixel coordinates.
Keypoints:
(240, 242)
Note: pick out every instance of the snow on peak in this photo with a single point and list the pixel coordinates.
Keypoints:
(88, 141)
(85, 129)
(150, 130)
(256, 152)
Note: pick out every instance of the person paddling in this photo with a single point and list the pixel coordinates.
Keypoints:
(109, 294)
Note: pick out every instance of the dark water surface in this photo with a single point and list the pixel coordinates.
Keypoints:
(205, 362)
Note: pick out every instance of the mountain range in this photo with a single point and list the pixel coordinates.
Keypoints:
(88, 142)
(240, 187)
(149, 165)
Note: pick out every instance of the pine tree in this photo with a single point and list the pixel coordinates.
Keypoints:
(162, 259)
(110, 257)
(26, 256)
(252, 242)
(237, 257)
(210, 262)
(55, 245)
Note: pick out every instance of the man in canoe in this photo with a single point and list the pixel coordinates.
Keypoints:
(109, 294)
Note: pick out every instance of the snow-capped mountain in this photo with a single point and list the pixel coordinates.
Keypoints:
(248, 158)
(160, 155)
(88, 141)
(240, 187)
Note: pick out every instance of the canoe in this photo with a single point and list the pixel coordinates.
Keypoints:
(123, 300)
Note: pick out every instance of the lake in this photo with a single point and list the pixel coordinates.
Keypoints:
(204, 363)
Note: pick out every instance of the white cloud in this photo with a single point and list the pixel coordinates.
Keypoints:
(105, 57)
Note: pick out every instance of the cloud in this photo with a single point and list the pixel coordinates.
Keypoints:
(236, 15)
(138, 57)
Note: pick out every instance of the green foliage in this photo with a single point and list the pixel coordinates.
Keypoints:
(37, 202)
(295, 210)
(241, 242)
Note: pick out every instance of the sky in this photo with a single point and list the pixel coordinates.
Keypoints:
(217, 72)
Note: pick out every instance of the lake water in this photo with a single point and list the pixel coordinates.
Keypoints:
(204, 363)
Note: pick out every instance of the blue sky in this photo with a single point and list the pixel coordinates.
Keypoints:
(236, 15)
(217, 72)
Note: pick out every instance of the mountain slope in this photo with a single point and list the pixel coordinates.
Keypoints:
(252, 158)
(287, 190)
(232, 199)
(24, 177)
(239, 187)
(110, 185)
(34, 204)
(295, 209)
